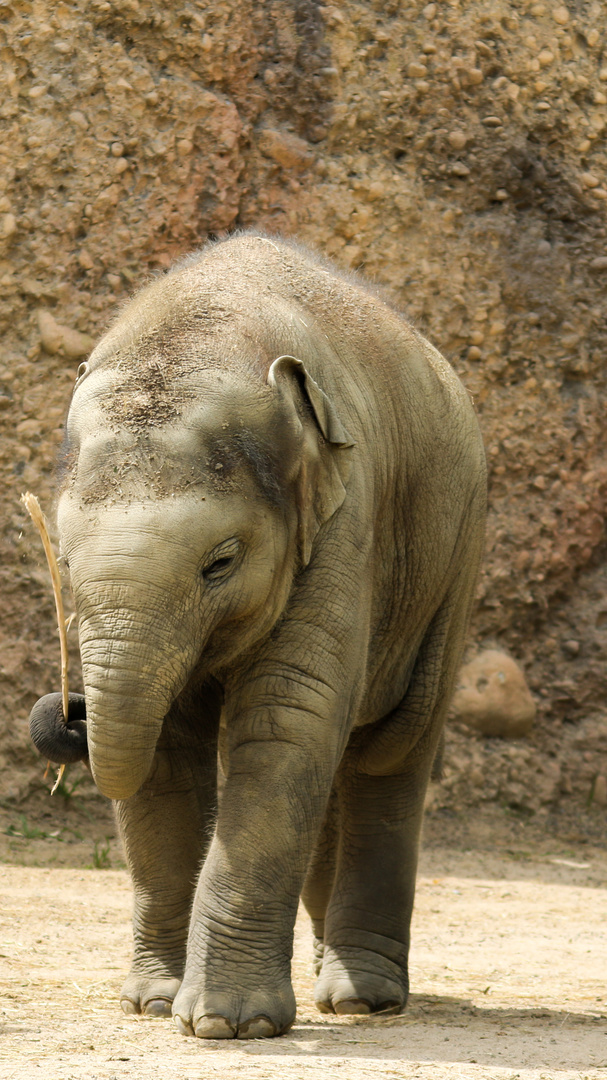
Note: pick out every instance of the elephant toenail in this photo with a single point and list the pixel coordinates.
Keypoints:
(158, 1007)
(182, 1026)
(260, 1027)
(352, 1007)
(129, 1007)
(214, 1026)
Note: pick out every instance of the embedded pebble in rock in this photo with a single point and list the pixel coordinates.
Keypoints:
(9, 225)
(599, 793)
(492, 696)
(457, 139)
(50, 332)
(286, 149)
(57, 338)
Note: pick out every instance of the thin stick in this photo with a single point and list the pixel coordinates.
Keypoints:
(35, 512)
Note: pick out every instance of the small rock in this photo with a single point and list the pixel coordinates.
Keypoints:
(57, 338)
(571, 647)
(600, 263)
(589, 180)
(9, 225)
(78, 119)
(117, 149)
(492, 121)
(416, 70)
(459, 169)
(288, 150)
(50, 332)
(599, 791)
(561, 15)
(85, 259)
(75, 344)
(493, 697)
(375, 190)
(474, 353)
(457, 139)
(28, 428)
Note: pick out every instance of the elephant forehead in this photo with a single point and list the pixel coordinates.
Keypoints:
(148, 394)
(215, 430)
(209, 452)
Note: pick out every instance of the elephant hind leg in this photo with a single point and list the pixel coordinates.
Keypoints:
(320, 877)
(364, 967)
(381, 784)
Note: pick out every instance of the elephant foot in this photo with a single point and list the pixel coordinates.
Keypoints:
(357, 982)
(148, 996)
(211, 1013)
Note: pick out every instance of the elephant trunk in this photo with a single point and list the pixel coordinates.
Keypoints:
(122, 742)
(57, 740)
(134, 575)
(129, 690)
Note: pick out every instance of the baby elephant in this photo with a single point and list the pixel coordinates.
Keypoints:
(272, 511)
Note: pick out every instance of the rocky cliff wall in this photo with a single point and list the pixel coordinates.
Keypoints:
(455, 152)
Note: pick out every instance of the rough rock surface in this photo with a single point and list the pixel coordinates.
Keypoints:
(454, 151)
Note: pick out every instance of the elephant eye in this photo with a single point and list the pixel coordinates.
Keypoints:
(220, 567)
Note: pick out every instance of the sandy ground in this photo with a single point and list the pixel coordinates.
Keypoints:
(509, 978)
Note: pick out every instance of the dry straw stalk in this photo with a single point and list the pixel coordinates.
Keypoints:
(33, 508)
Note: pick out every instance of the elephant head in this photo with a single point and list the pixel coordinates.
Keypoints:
(190, 502)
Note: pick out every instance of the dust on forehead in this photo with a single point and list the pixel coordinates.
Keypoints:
(166, 340)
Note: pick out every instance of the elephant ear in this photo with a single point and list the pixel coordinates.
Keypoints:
(323, 468)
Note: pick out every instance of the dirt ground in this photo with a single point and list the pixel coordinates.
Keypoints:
(508, 968)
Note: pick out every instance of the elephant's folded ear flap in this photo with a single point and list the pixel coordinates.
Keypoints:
(324, 468)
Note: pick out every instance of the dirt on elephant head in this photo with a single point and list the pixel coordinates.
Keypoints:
(455, 153)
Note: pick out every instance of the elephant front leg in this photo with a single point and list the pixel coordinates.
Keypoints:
(237, 981)
(164, 828)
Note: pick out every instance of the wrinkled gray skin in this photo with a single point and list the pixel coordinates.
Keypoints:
(291, 545)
